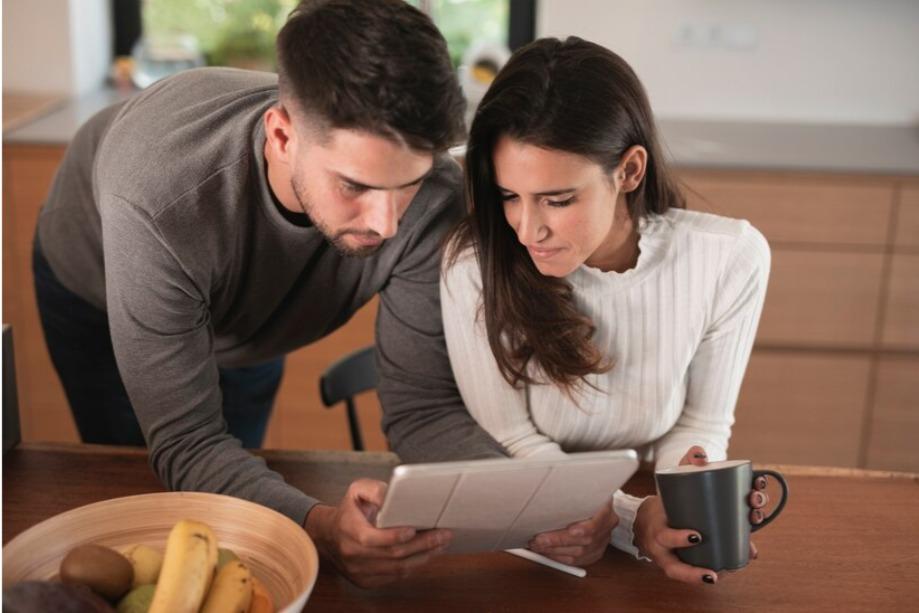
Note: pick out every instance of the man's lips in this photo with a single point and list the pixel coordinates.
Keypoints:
(365, 239)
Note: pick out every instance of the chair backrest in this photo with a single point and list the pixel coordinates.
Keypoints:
(11, 434)
(347, 377)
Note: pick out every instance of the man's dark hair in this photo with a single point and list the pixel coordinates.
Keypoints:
(375, 65)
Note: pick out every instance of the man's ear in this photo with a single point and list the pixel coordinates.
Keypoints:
(631, 169)
(280, 133)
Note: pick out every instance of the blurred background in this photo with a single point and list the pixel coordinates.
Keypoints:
(801, 116)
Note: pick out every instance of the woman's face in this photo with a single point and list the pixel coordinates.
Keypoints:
(563, 207)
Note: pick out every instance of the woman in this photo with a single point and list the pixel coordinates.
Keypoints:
(584, 307)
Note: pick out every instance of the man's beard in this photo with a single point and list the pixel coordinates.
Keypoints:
(336, 239)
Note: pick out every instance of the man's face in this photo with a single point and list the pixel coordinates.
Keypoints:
(355, 186)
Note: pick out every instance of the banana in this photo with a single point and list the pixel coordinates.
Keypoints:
(188, 568)
(261, 598)
(232, 590)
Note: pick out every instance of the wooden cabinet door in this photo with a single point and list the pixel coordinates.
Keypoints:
(801, 408)
(893, 442)
(796, 208)
(818, 299)
(901, 317)
(27, 174)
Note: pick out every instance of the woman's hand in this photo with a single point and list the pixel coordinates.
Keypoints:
(658, 541)
(581, 543)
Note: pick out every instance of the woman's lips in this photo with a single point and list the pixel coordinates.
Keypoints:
(543, 253)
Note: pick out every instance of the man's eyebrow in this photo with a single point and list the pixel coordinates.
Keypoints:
(551, 192)
(360, 185)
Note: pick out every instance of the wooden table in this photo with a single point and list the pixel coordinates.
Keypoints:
(847, 541)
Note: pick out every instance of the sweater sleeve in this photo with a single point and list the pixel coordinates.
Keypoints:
(423, 413)
(496, 405)
(164, 345)
(715, 372)
(717, 368)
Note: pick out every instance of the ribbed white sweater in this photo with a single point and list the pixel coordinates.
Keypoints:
(679, 326)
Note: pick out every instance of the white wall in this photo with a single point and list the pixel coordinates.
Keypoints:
(61, 46)
(827, 61)
(91, 41)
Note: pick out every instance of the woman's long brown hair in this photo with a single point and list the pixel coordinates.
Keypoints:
(572, 96)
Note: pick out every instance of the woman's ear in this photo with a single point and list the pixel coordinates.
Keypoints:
(631, 169)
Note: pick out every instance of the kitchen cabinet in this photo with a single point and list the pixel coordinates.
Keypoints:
(835, 368)
(834, 375)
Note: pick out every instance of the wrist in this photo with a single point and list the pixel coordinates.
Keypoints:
(318, 525)
(638, 527)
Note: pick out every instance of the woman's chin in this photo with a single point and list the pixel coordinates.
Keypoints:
(554, 269)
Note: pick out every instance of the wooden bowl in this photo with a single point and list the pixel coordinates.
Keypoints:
(276, 549)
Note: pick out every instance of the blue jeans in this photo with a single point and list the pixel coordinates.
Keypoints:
(80, 344)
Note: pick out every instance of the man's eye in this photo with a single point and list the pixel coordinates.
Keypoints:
(353, 189)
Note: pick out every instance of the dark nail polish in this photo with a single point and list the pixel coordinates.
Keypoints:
(695, 539)
(708, 579)
(699, 456)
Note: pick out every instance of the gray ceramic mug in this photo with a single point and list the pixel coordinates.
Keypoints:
(712, 500)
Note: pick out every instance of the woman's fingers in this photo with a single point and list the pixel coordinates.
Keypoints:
(757, 516)
(754, 552)
(677, 539)
(695, 456)
(758, 499)
(680, 571)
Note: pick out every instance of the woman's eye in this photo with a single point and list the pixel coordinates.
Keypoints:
(508, 197)
(560, 203)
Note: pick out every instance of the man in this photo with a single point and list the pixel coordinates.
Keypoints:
(221, 218)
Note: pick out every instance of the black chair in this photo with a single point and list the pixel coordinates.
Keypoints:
(11, 434)
(349, 376)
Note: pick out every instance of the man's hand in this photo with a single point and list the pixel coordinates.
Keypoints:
(370, 556)
(581, 543)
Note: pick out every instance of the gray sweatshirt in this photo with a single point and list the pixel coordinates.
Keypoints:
(161, 215)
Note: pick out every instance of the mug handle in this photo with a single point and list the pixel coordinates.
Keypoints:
(778, 509)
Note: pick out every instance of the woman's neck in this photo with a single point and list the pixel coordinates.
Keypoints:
(619, 252)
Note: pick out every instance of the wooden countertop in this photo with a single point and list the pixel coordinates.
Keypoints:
(847, 541)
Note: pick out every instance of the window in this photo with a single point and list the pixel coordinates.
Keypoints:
(242, 32)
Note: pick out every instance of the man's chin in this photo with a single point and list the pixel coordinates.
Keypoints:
(356, 248)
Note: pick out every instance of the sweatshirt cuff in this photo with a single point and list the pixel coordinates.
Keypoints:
(623, 538)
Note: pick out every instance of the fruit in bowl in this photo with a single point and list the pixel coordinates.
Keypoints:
(269, 562)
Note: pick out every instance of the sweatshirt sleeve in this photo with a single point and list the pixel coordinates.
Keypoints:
(164, 345)
(717, 368)
(424, 417)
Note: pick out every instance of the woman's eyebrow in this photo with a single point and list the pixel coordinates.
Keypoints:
(551, 192)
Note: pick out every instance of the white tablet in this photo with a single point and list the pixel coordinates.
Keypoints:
(501, 504)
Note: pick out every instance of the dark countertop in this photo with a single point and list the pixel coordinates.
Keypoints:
(703, 144)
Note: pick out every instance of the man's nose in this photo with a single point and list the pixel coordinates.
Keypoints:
(382, 215)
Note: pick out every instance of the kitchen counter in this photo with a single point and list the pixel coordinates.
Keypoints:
(868, 149)
(59, 126)
(887, 150)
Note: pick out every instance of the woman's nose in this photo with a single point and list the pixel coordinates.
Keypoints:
(530, 226)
